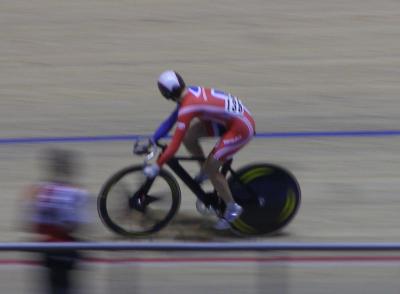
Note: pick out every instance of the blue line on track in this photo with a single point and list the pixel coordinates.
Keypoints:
(83, 139)
(362, 133)
(116, 138)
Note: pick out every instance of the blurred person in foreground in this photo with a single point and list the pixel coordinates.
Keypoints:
(56, 210)
(218, 114)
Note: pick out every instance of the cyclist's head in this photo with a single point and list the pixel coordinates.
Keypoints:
(171, 85)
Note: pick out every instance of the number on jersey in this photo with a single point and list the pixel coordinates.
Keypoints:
(232, 104)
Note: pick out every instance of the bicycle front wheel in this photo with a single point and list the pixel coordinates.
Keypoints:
(131, 205)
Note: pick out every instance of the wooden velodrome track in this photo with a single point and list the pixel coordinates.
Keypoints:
(88, 68)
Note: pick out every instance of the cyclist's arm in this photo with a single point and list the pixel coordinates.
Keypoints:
(165, 126)
(180, 131)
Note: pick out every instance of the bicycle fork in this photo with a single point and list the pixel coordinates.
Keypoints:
(140, 200)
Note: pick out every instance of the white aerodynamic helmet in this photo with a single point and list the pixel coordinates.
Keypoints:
(171, 84)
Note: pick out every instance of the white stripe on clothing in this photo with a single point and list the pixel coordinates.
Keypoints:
(200, 108)
(204, 94)
(195, 90)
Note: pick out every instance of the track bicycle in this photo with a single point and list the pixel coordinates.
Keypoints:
(132, 205)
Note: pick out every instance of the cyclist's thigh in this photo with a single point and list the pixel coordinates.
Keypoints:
(234, 139)
(196, 130)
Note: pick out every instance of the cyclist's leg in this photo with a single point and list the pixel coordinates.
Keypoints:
(200, 129)
(191, 140)
(218, 180)
(237, 136)
(212, 167)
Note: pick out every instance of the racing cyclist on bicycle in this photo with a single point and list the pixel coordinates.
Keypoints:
(219, 114)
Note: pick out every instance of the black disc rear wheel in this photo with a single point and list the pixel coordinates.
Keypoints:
(270, 196)
(128, 210)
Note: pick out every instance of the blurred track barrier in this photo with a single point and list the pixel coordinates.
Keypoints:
(235, 267)
(198, 246)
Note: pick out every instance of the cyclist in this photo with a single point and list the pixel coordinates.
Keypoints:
(219, 114)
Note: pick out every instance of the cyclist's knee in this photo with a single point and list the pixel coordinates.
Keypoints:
(194, 133)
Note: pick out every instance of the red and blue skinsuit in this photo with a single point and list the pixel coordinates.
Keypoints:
(218, 110)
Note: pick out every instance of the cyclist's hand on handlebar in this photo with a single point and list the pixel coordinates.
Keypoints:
(151, 170)
(141, 147)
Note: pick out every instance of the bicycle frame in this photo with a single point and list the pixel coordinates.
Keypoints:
(195, 187)
(208, 198)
